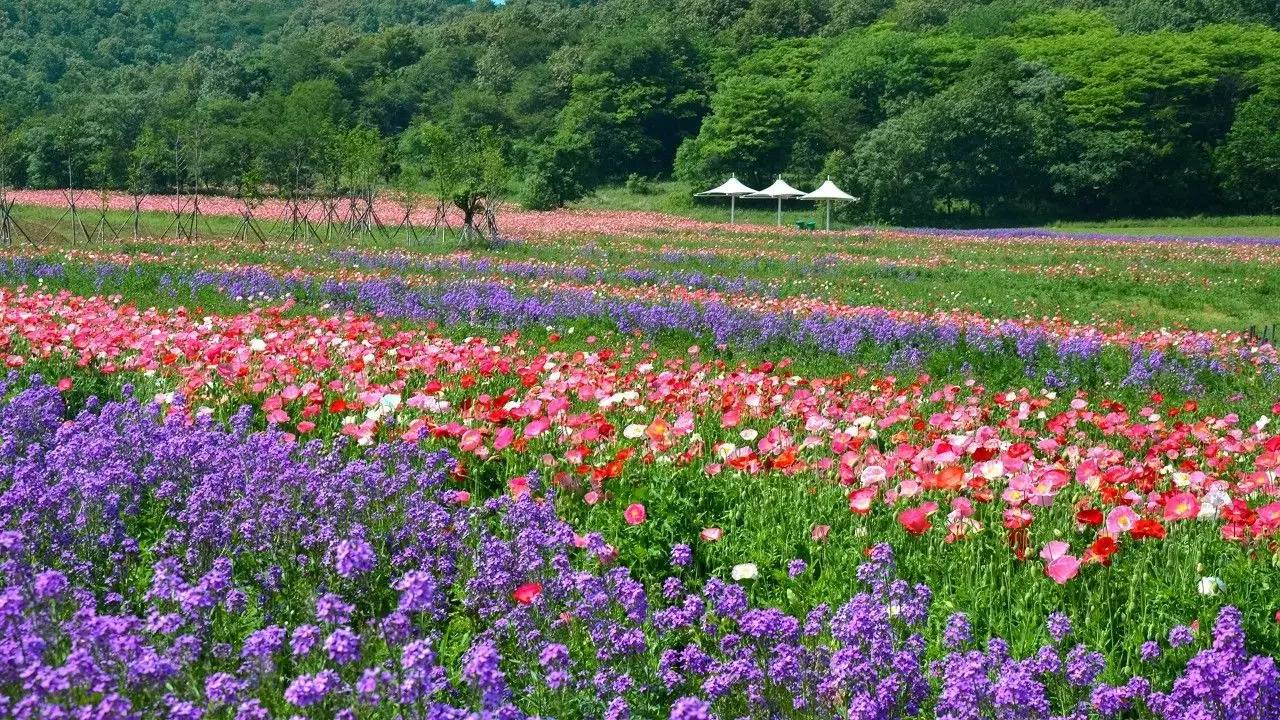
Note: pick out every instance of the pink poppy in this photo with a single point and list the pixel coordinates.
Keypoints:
(711, 534)
(1121, 520)
(536, 427)
(1063, 568)
(527, 593)
(634, 514)
(519, 486)
(1054, 549)
(860, 501)
(471, 440)
(1269, 515)
(1181, 506)
(503, 438)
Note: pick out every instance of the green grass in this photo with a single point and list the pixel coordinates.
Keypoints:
(1199, 226)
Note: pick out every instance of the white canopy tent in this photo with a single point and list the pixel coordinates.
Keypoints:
(780, 191)
(732, 189)
(828, 191)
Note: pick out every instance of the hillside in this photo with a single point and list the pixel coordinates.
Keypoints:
(935, 112)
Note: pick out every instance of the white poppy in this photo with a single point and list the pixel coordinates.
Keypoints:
(1210, 585)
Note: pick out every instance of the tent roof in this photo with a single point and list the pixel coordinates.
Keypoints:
(779, 189)
(732, 186)
(828, 191)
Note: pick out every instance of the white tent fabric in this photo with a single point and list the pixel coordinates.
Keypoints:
(732, 188)
(828, 191)
(779, 191)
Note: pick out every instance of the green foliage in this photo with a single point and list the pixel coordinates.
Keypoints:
(1249, 160)
(748, 132)
(553, 177)
(975, 147)
(467, 171)
(637, 96)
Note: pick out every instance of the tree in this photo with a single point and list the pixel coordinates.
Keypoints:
(1249, 161)
(363, 161)
(8, 155)
(848, 15)
(468, 172)
(766, 20)
(638, 95)
(300, 131)
(748, 132)
(553, 177)
(973, 149)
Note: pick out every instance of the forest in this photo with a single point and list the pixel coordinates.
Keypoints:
(933, 111)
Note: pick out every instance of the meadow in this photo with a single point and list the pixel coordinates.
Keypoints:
(623, 464)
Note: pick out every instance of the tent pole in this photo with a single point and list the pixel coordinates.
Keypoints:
(733, 202)
(779, 212)
(828, 214)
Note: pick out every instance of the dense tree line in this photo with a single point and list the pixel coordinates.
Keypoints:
(932, 110)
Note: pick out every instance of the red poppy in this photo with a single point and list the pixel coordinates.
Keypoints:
(1103, 548)
(915, 520)
(1020, 542)
(983, 454)
(1089, 516)
(1148, 528)
(527, 593)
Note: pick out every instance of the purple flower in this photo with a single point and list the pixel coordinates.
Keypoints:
(252, 710)
(50, 584)
(264, 643)
(419, 593)
(418, 655)
(1181, 636)
(332, 609)
(307, 690)
(342, 646)
(690, 708)
(1083, 665)
(681, 555)
(354, 557)
(304, 639)
(1059, 626)
(957, 632)
(1149, 651)
(222, 688)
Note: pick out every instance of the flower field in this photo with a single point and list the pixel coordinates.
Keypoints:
(641, 470)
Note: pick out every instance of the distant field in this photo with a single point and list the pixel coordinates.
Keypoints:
(1242, 225)
(677, 198)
